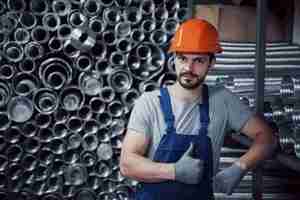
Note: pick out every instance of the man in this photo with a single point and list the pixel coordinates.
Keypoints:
(175, 134)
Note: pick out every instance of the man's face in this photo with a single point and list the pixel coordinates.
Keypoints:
(191, 69)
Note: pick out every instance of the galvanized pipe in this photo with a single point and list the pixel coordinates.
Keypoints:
(104, 152)
(51, 21)
(13, 135)
(91, 8)
(91, 126)
(29, 162)
(117, 58)
(161, 14)
(64, 31)
(28, 20)
(61, 7)
(170, 25)
(75, 174)
(9, 22)
(75, 124)
(42, 120)
(21, 35)
(27, 65)
(55, 44)
(14, 154)
(99, 50)
(159, 37)
(13, 51)
(97, 105)
(88, 158)
(32, 145)
(103, 67)
(24, 84)
(137, 36)
(106, 3)
(120, 80)
(45, 101)
(128, 98)
(115, 108)
(57, 146)
(39, 7)
(70, 50)
(7, 71)
(33, 50)
(112, 15)
(147, 7)
(60, 130)
(104, 119)
(148, 25)
(85, 113)
(40, 34)
(84, 63)
(20, 109)
(90, 142)
(61, 115)
(5, 93)
(55, 80)
(124, 45)
(29, 129)
(74, 141)
(96, 25)
(77, 19)
(107, 94)
(3, 37)
(45, 135)
(71, 98)
(5, 122)
(122, 29)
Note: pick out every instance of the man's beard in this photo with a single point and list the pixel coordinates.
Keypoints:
(190, 81)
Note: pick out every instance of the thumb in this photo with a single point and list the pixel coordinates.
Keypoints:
(189, 151)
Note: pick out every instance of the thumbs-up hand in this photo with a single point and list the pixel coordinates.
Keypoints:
(189, 170)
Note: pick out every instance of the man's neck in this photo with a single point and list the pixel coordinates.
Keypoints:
(182, 94)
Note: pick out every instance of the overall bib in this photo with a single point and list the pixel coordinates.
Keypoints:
(170, 149)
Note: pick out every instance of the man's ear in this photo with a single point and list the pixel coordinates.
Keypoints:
(212, 63)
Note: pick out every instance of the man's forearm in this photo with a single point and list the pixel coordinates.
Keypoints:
(143, 169)
(262, 147)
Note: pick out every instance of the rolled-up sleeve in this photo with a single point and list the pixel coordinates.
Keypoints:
(238, 112)
(140, 119)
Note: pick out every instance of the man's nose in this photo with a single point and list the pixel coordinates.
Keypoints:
(189, 66)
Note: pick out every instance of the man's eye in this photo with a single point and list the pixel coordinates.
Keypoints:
(199, 60)
(182, 59)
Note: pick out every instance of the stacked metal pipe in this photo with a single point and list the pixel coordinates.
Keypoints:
(235, 70)
(70, 71)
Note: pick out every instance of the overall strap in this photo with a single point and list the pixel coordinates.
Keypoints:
(166, 107)
(204, 111)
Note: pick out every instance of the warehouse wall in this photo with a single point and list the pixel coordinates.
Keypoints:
(296, 33)
(238, 23)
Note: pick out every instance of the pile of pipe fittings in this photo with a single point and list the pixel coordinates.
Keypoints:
(235, 67)
(70, 71)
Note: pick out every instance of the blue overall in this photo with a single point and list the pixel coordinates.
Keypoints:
(170, 149)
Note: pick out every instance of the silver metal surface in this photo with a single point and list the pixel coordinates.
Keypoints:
(71, 98)
(45, 100)
(33, 50)
(24, 84)
(19, 109)
(13, 51)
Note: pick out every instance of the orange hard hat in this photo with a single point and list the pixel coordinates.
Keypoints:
(196, 36)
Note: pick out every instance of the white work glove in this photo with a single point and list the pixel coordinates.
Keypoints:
(189, 170)
(228, 179)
